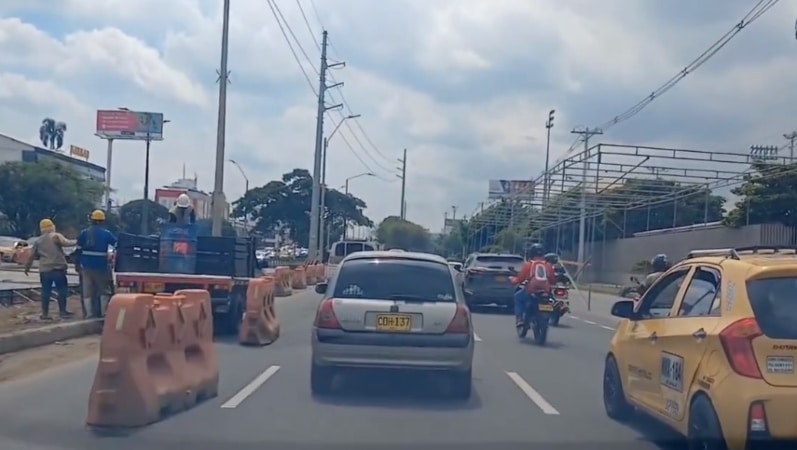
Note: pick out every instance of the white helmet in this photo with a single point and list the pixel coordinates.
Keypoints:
(183, 201)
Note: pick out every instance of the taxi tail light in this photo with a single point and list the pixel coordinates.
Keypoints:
(461, 321)
(757, 418)
(737, 341)
(325, 317)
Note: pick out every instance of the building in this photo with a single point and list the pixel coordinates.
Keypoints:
(13, 150)
(201, 200)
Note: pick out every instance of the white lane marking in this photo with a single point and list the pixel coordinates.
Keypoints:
(533, 395)
(589, 322)
(575, 317)
(250, 388)
(607, 328)
(476, 337)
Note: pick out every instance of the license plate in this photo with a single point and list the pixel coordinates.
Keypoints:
(153, 288)
(500, 278)
(123, 290)
(545, 308)
(393, 322)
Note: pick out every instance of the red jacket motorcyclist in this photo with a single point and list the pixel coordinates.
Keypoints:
(538, 273)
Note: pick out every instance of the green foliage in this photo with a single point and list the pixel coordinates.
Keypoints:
(130, 216)
(768, 195)
(286, 203)
(396, 233)
(30, 192)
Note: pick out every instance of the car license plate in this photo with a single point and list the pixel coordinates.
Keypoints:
(123, 290)
(393, 322)
(500, 278)
(545, 307)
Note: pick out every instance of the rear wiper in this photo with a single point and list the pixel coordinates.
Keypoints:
(411, 298)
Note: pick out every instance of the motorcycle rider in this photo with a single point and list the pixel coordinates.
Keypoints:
(659, 264)
(539, 276)
(558, 269)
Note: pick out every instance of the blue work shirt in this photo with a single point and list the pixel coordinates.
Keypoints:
(93, 243)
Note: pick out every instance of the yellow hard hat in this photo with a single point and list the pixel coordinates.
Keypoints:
(46, 224)
(97, 214)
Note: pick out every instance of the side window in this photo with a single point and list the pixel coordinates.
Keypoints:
(701, 294)
(340, 249)
(660, 298)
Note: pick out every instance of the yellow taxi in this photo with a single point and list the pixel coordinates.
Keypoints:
(709, 350)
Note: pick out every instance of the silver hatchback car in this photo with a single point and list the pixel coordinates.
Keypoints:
(393, 310)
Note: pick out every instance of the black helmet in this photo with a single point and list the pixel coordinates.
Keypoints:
(536, 250)
(552, 258)
(660, 263)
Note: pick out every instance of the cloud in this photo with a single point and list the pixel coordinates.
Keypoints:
(464, 85)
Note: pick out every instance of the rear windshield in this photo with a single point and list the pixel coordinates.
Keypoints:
(774, 304)
(499, 262)
(393, 278)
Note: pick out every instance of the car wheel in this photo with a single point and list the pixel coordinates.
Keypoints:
(461, 384)
(705, 431)
(321, 379)
(617, 407)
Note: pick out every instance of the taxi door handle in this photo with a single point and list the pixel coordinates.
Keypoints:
(699, 334)
(653, 337)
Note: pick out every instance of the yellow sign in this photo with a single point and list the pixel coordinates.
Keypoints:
(78, 152)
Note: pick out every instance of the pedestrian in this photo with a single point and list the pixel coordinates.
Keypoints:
(93, 244)
(49, 250)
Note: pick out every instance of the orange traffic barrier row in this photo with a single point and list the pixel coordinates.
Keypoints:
(156, 358)
(282, 282)
(315, 273)
(299, 278)
(260, 325)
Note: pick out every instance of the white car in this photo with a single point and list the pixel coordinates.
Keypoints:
(393, 310)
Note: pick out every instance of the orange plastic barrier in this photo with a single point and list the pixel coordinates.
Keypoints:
(299, 278)
(310, 275)
(282, 282)
(260, 325)
(156, 357)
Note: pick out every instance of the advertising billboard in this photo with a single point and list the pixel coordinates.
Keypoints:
(79, 152)
(130, 125)
(511, 189)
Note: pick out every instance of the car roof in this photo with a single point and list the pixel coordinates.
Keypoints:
(760, 257)
(499, 255)
(388, 254)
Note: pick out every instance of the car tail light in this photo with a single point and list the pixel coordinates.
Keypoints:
(560, 292)
(325, 317)
(737, 341)
(461, 321)
(757, 418)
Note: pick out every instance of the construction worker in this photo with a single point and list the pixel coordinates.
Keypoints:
(93, 244)
(49, 250)
(182, 213)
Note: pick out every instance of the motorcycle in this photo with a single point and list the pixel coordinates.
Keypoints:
(536, 317)
(561, 305)
(632, 290)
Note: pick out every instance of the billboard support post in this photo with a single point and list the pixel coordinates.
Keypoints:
(108, 162)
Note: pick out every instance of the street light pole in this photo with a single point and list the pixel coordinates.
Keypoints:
(346, 191)
(322, 209)
(548, 126)
(246, 189)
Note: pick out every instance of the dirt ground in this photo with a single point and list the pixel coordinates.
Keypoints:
(25, 314)
(28, 362)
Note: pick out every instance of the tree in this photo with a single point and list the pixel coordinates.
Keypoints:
(30, 192)
(205, 228)
(130, 216)
(51, 133)
(285, 204)
(393, 232)
(768, 195)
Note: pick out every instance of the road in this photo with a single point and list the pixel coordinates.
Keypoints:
(524, 397)
(12, 277)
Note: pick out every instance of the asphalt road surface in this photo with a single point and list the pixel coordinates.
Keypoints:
(525, 397)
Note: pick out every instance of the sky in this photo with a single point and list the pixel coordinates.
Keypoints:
(464, 85)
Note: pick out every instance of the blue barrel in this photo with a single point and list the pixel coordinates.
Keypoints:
(178, 248)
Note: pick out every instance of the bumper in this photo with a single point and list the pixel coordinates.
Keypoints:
(392, 351)
(732, 406)
(487, 296)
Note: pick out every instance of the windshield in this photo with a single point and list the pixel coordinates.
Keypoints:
(775, 306)
(393, 278)
(499, 262)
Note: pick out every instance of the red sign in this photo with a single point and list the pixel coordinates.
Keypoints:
(124, 124)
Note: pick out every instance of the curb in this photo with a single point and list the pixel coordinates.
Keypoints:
(50, 334)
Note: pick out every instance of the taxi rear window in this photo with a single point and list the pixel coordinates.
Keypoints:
(774, 303)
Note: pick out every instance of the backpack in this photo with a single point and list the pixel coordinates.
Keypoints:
(538, 278)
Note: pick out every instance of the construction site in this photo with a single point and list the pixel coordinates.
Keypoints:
(609, 207)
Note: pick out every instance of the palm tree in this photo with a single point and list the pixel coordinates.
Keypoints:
(51, 133)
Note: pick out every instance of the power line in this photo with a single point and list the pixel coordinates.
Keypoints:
(290, 46)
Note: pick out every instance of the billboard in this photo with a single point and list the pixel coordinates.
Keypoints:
(79, 152)
(131, 125)
(511, 189)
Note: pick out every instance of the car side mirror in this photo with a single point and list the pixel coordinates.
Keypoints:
(458, 267)
(623, 309)
(321, 288)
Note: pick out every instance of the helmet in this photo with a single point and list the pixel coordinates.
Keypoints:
(183, 201)
(660, 263)
(46, 225)
(97, 215)
(536, 250)
(552, 258)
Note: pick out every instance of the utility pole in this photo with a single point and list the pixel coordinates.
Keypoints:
(791, 137)
(145, 205)
(586, 134)
(454, 213)
(403, 178)
(546, 180)
(315, 205)
(219, 202)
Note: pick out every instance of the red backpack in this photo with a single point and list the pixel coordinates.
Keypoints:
(538, 278)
